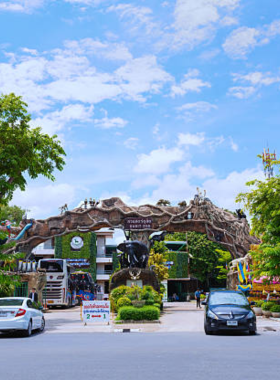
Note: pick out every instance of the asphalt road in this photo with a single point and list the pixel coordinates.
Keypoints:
(139, 356)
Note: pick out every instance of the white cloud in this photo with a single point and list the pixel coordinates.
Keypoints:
(191, 139)
(197, 21)
(224, 191)
(233, 145)
(55, 121)
(67, 75)
(255, 80)
(189, 110)
(190, 83)
(158, 161)
(108, 123)
(138, 17)
(23, 6)
(242, 92)
(131, 143)
(244, 40)
(108, 50)
(42, 200)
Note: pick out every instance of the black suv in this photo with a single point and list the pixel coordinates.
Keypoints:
(228, 310)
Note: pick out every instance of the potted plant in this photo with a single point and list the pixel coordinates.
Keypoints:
(266, 306)
(275, 311)
(258, 307)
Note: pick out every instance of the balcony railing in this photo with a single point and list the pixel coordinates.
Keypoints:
(104, 271)
(106, 255)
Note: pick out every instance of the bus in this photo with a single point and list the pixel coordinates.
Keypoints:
(86, 288)
(60, 289)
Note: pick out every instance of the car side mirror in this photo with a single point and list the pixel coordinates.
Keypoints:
(41, 308)
(204, 302)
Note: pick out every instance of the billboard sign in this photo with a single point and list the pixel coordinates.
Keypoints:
(96, 312)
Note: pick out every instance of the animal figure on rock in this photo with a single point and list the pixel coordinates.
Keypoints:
(135, 254)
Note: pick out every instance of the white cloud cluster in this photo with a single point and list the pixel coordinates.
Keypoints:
(24, 6)
(131, 143)
(196, 21)
(190, 83)
(55, 121)
(189, 110)
(254, 81)
(108, 123)
(244, 40)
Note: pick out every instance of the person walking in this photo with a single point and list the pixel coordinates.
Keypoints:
(197, 297)
(33, 295)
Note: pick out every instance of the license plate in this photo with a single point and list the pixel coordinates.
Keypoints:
(50, 302)
(232, 323)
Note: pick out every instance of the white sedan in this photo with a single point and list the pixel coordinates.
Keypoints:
(18, 314)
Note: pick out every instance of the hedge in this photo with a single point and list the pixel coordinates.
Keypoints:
(180, 267)
(123, 301)
(130, 313)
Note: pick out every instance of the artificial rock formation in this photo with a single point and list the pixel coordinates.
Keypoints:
(201, 215)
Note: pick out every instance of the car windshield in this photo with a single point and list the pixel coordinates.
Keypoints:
(11, 302)
(220, 298)
(52, 266)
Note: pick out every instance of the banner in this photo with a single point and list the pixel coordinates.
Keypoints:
(96, 312)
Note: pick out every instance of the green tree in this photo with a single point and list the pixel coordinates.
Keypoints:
(23, 151)
(158, 259)
(204, 254)
(12, 213)
(263, 204)
(7, 264)
(223, 260)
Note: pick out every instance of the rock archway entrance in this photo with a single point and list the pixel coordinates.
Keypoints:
(201, 215)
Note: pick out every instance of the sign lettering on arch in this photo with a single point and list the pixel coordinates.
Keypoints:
(138, 223)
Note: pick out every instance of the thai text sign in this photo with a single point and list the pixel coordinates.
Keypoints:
(96, 311)
(138, 223)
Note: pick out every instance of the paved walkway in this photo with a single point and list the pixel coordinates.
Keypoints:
(177, 317)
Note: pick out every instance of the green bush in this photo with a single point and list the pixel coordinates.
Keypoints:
(202, 296)
(275, 309)
(157, 305)
(123, 301)
(259, 303)
(266, 306)
(150, 301)
(119, 292)
(130, 313)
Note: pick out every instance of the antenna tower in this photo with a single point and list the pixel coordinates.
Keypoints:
(268, 159)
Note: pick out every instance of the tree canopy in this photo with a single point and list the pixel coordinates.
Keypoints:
(24, 151)
(263, 204)
(12, 213)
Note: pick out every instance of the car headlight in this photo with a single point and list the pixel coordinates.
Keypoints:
(250, 315)
(210, 314)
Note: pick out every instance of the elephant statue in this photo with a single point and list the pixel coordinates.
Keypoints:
(135, 254)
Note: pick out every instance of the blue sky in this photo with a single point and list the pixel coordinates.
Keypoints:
(149, 98)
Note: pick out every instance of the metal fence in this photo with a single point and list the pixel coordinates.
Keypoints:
(21, 290)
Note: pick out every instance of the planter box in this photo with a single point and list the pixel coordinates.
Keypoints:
(258, 310)
(266, 313)
(276, 315)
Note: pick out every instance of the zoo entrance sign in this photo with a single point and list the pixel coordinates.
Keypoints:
(96, 312)
(138, 223)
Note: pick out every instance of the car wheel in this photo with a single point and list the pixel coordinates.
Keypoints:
(28, 331)
(43, 323)
(207, 332)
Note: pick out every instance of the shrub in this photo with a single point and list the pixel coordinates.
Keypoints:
(275, 309)
(128, 313)
(157, 305)
(119, 292)
(259, 303)
(202, 296)
(266, 306)
(150, 301)
(123, 301)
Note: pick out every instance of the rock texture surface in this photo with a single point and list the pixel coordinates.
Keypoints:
(201, 215)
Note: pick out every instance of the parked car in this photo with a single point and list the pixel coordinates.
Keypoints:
(18, 314)
(228, 310)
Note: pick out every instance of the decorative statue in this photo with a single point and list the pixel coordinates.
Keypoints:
(240, 214)
(134, 254)
(157, 236)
